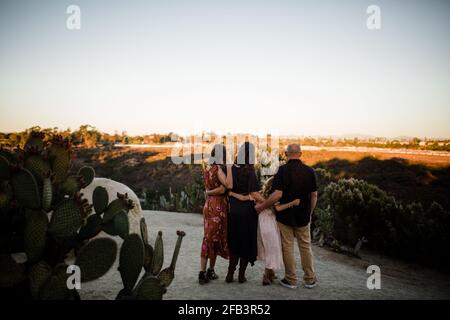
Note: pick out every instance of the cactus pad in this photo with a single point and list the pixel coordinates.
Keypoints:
(131, 260)
(60, 161)
(176, 251)
(55, 287)
(26, 189)
(150, 289)
(71, 185)
(100, 199)
(37, 276)
(35, 142)
(116, 206)
(35, 234)
(88, 174)
(148, 258)
(144, 231)
(121, 224)
(92, 227)
(158, 255)
(37, 166)
(110, 228)
(166, 277)
(124, 295)
(47, 194)
(66, 219)
(96, 258)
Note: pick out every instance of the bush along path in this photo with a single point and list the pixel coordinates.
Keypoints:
(353, 213)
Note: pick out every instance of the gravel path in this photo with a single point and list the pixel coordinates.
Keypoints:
(340, 277)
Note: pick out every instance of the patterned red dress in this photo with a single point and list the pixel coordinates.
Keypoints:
(215, 213)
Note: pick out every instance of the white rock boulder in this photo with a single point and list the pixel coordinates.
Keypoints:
(114, 187)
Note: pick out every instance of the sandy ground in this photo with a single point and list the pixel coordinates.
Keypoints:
(340, 277)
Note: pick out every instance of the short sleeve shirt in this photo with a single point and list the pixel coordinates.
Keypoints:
(297, 181)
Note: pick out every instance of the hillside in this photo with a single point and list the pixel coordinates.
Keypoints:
(409, 178)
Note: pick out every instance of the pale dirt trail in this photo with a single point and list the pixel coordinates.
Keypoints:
(340, 277)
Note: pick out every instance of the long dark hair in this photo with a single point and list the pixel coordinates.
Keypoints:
(246, 155)
(245, 160)
(218, 155)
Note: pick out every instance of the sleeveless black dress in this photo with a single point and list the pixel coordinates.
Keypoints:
(242, 216)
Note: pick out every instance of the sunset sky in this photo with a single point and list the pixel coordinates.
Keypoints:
(288, 67)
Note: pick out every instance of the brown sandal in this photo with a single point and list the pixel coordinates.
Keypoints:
(272, 275)
(266, 280)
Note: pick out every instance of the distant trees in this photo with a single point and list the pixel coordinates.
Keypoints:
(86, 136)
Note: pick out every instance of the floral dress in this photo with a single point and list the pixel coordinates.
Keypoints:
(215, 213)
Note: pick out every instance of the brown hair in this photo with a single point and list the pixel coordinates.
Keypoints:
(219, 150)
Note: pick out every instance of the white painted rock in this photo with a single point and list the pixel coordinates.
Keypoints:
(114, 187)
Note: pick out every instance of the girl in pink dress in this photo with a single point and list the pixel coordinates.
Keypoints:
(269, 241)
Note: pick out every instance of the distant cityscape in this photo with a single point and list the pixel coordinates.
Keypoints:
(88, 136)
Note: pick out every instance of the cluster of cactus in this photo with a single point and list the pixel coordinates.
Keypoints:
(189, 199)
(44, 215)
(137, 254)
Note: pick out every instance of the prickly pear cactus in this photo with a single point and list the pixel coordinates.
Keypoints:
(100, 200)
(158, 255)
(40, 201)
(154, 283)
(44, 215)
(96, 258)
(35, 234)
(131, 260)
(167, 275)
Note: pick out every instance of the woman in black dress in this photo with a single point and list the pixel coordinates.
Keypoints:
(242, 216)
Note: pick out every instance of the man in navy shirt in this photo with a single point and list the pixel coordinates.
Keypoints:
(295, 180)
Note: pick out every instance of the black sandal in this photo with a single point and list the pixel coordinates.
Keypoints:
(211, 275)
(202, 277)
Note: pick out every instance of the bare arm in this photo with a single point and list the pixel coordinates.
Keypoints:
(281, 207)
(239, 196)
(216, 191)
(313, 201)
(257, 197)
(271, 200)
(226, 180)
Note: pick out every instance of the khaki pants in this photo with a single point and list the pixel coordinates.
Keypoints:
(303, 236)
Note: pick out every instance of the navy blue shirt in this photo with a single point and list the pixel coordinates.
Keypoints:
(297, 181)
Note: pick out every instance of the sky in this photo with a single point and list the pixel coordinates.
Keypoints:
(284, 67)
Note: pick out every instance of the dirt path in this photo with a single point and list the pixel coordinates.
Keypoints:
(340, 277)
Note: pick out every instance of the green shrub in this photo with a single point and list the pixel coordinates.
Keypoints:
(325, 221)
(406, 231)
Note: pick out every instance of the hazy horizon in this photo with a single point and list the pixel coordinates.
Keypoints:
(305, 68)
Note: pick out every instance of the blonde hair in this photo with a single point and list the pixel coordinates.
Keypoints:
(267, 187)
